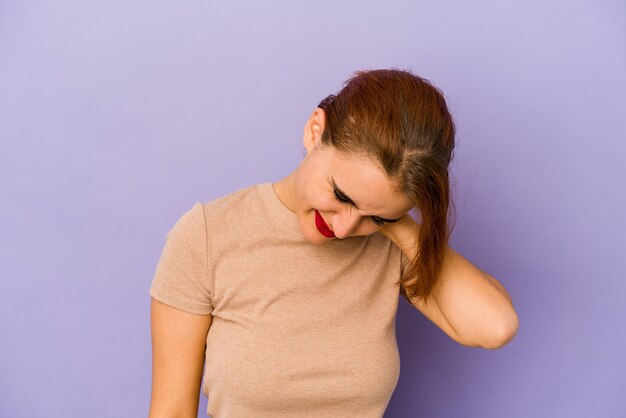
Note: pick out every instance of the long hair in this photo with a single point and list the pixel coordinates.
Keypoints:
(402, 122)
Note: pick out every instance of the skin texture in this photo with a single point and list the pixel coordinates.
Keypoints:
(178, 343)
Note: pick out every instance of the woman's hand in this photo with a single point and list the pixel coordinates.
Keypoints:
(403, 233)
(468, 304)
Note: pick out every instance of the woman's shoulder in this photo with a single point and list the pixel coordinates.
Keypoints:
(235, 201)
(218, 210)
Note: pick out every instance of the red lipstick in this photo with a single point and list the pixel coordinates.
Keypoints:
(322, 227)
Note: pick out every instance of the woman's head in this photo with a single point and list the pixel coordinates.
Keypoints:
(341, 195)
(398, 122)
(395, 118)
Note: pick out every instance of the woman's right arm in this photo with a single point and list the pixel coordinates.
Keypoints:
(178, 347)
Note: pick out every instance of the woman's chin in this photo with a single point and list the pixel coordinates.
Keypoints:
(312, 235)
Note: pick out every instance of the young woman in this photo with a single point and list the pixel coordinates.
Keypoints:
(287, 293)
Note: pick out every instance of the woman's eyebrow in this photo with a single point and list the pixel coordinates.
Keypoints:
(353, 203)
(342, 193)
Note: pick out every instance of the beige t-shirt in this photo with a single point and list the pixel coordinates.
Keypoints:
(298, 330)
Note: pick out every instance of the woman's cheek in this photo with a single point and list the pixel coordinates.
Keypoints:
(328, 204)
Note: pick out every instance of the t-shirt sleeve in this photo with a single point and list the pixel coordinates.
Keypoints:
(181, 279)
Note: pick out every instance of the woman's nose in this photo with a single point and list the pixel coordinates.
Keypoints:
(345, 222)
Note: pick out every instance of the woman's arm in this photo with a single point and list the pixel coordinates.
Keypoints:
(178, 344)
(468, 304)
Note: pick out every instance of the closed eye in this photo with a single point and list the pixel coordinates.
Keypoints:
(342, 199)
(377, 220)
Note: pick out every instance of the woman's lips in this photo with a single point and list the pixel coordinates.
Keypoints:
(322, 227)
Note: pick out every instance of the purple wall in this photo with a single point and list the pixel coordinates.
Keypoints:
(116, 116)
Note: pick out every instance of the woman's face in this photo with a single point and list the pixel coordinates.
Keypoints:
(336, 195)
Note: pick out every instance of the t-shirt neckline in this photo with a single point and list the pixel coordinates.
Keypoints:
(282, 212)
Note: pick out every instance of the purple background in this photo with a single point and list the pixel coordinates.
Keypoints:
(116, 116)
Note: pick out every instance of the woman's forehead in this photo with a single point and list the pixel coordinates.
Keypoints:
(365, 183)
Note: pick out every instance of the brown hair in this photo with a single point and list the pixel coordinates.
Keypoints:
(401, 122)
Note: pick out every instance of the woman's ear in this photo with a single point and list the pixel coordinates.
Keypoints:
(313, 129)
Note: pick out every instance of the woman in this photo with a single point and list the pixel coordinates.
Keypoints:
(293, 286)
